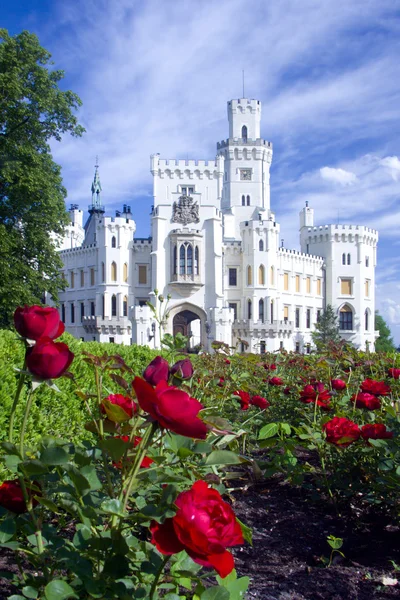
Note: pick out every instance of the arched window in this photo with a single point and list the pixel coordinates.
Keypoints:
(244, 133)
(272, 311)
(366, 320)
(113, 305)
(346, 318)
(125, 272)
(249, 276)
(182, 260)
(343, 259)
(249, 309)
(271, 276)
(125, 306)
(113, 242)
(189, 260)
(367, 261)
(175, 260)
(261, 310)
(248, 200)
(348, 259)
(261, 245)
(261, 275)
(196, 261)
(103, 272)
(113, 271)
(103, 306)
(243, 200)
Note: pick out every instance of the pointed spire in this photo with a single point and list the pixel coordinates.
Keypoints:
(96, 188)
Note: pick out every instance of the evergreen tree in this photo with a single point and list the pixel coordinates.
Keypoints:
(33, 111)
(327, 328)
(384, 343)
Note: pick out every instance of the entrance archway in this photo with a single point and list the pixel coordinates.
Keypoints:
(187, 323)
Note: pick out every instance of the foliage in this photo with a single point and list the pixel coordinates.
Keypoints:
(34, 111)
(384, 343)
(326, 329)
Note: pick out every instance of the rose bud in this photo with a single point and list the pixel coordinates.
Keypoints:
(156, 371)
(48, 359)
(244, 399)
(118, 408)
(338, 384)
(182, 368)
(12, 498)
(276, 381)
(34, 322)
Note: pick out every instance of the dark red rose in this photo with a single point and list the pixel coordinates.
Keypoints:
(227, 361)
(338, 384)
(182, 368)
(221, 382)
(34, 322)
(270, 367)
(364, 400)
(260, 402)
(48, 359)
(341, 432)
(377, 388)
(146, 462)
(287, 391)
(118, 408)
(395, 373)
(375, 431)
(204, 525)
(316, 393)
(12, 498)
(276, 381)
(156, 371)
(244, 399)
(174, 409)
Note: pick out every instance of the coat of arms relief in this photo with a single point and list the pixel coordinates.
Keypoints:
(185, 211)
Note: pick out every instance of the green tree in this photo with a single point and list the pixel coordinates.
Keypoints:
(327, 328)
(33, 111)
(384, 343)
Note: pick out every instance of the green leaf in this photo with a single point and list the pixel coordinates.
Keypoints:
(115, 447)
(285, 427)
(7, 530)
(16, 597)
(10, 448)
(223, 457)
(30, 592)
(246, 531)
(113, 507)
(334, 542)
(54, 455)
(216, 592)
(79, 481)
(268, 431)
(59, 590)
(114, 412)
(33, 467)
(89, 472)
(48, 504)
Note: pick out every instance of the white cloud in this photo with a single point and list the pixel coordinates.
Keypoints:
(338, 175)
(393, 164)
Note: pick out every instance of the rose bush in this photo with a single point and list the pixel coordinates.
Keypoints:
(341, 432)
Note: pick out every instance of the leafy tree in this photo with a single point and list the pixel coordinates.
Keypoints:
(384, 343)
(327, 328)
(33, 111)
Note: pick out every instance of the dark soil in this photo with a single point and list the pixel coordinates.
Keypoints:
(289, 541)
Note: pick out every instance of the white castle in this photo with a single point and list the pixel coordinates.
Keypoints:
(215, 251)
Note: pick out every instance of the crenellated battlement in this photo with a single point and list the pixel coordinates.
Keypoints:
(242, 142)
(299, 254)
(165, 163)
(341, 233)
(343, 228)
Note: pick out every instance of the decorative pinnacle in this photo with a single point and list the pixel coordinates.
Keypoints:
(96, 187)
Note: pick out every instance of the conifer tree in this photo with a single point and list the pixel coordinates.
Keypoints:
(327, 328)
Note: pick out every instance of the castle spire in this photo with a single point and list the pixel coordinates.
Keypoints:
(96, 190)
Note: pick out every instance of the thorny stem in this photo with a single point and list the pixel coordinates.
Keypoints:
(157, 577)
(25, 422)
(14, 406)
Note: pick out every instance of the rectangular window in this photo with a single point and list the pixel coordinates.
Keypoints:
(92, 309)
(308, 348)
(319, 287)
(345, 287)
(297, 346)
(92, 277)
(63, 313)
(286, 281)
(233, 305)
(82, 278)
(72, 280)
(367, 286)
(262, 347)
(308, 318)
(308, 285)
(297, 283)
(286, 313)
(142, 274)
(72, 313)
(232, 277)
(111, 340)
(82, 310)
(297, 317)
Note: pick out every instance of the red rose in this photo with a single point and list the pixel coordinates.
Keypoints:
(156, 371)
(341, 431)
(316, 393)
(338, 384)
(12, 498)
(204, 525)
(221, 382)
(48, 359)
(244, 399)
(395, 373)
(260, 402)
(146, 462)
(364, 400)
(118, 408)
(182, 368)
(276, 381)
(34, 322)
(174, 409)
(270, 367)
(227, 361)
(375, 431)
(377, 388)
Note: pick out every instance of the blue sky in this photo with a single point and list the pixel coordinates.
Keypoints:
(155, 76)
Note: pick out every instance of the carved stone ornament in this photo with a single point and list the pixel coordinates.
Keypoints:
(185, 211)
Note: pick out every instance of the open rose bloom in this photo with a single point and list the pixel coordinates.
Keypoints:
(204, 525)
(35, 322)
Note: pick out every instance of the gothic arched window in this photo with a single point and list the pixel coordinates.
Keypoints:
(113, 305)
(125, 272)
(182, 260)
(272, 311)
(346, 318)
(261, 245)
(271, 276)
(261, 310)
(261, 275)
(348, 259)
(196, 261)
(249, 276)
(366, 320)
(113, 242)
(103, 272)
(248, 200)
(189, 260)
(244, 133)
(175, 260)
(249, 309)
(113, 271)
(243, 200)
(343, 259)
(125, 306)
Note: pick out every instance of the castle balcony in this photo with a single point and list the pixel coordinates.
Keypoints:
(259, 329)
(186, 285)
(107, 325)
